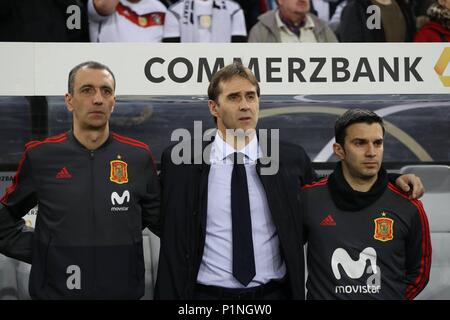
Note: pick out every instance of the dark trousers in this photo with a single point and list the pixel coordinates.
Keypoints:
(273, 290)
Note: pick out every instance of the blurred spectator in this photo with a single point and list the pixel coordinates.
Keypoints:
(252, 9)
(126, 20)
(438, 28)
(41, 21)
(205, 21)
(272, 4)
(291, 22)
(397, 22)
(329, 11)
(421, 6)
(168, 3)
(420, 10)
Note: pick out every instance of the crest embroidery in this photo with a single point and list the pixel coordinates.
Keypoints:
(119, 172)
(384, 229)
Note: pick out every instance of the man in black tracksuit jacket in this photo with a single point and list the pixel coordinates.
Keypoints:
(95, 191)
(366, 238)
(185, 194)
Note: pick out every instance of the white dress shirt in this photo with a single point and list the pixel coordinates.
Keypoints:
(217, 266)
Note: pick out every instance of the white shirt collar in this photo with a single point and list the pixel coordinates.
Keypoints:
(221, 150)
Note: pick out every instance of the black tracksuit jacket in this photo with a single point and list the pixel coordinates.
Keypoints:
(93, 205)
(373, 245)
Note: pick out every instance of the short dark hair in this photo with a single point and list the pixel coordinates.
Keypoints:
(89, 65)
(352, 116)
(225, 74)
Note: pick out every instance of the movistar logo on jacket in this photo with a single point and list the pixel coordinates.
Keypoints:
(356, 270)
(120, 199)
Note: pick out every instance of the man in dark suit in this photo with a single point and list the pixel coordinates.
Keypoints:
(230, 210)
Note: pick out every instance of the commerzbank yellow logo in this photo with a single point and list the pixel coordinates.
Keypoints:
(441, 65)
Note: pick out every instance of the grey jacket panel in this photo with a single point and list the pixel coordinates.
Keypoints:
(266, 30)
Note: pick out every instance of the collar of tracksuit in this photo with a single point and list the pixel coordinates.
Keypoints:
(347, 199)
(75, 141)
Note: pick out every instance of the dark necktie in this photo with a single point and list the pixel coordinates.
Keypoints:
(243, 256)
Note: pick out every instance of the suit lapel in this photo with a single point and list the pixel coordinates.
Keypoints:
(203, 194)
(203, 173)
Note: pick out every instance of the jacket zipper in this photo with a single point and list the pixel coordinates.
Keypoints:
(93, 220)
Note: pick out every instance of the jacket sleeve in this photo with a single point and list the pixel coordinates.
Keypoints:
(15, 238)
(392, 177)
(301, 218)
(329, 35)
(427, 35)
(256, 33)
(309, 174)
(323, 32)
(151, 200)
(170, 280)
(418, 253)
(172, 26)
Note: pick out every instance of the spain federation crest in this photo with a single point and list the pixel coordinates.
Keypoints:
(119, 172)
(384, 229)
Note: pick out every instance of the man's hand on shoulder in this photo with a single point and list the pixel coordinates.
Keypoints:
(411, 184)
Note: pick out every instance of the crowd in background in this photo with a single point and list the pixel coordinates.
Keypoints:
(225, 20)
(218, 21)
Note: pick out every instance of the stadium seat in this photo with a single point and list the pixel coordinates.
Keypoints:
(23, 275)
(154, 249)
(436, 201)
(14, 274)
(8, 280)
(151, 255)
